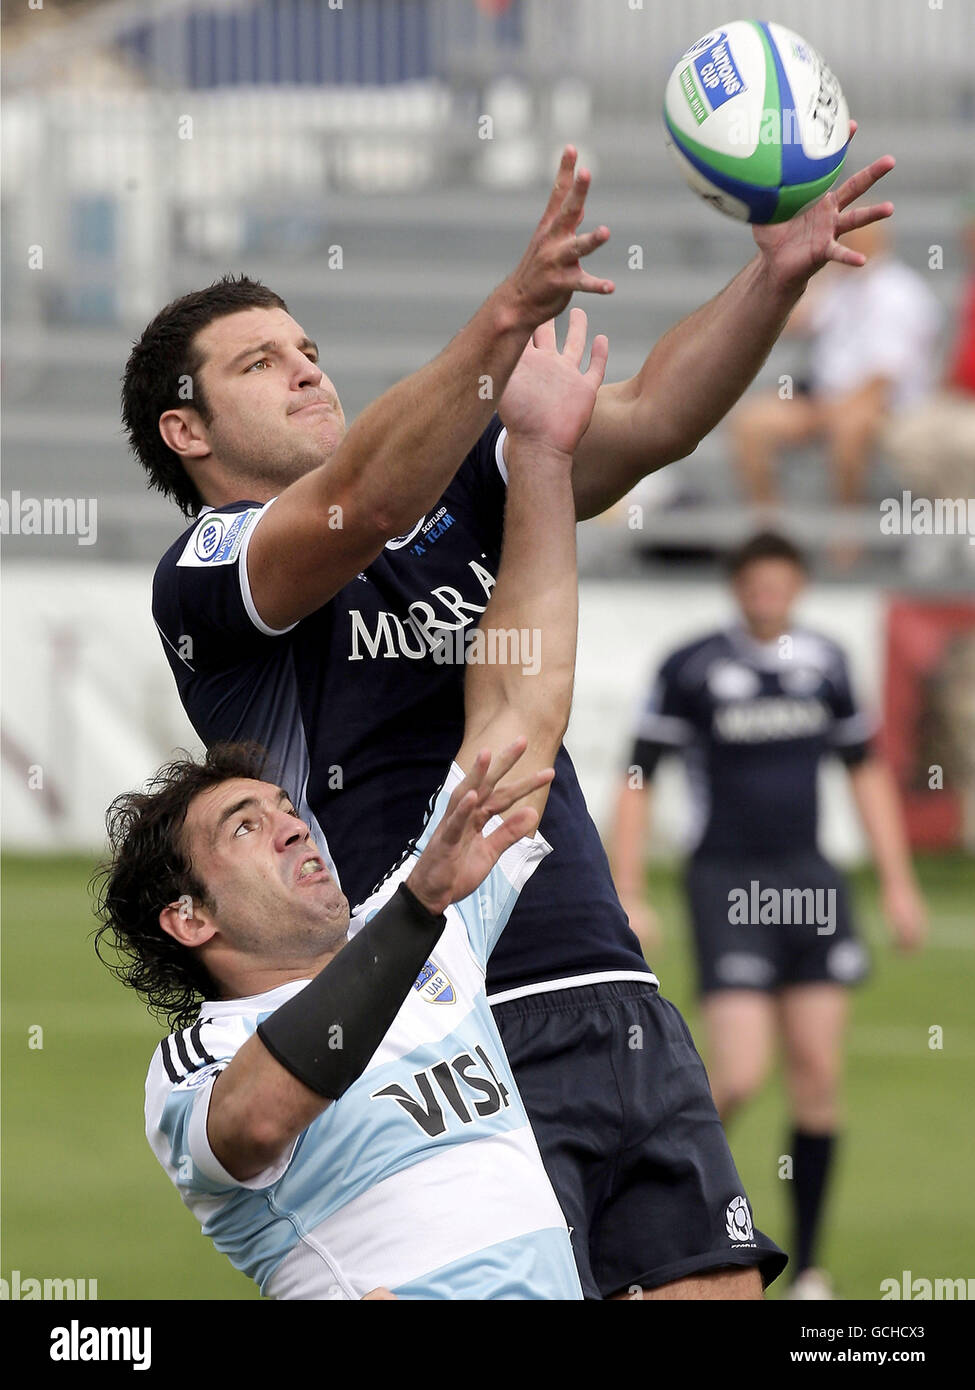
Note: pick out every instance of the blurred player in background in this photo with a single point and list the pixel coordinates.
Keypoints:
(872, 338)
(753, 709)
(328, 571)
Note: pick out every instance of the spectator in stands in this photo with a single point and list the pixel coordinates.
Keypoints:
(872, 337)
(933, 444)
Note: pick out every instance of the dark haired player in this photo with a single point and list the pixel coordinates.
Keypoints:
(753, 710)
(341, 1117)
(326, 1073)
(309, 604)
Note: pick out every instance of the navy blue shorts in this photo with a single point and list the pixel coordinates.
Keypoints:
(621, 1107)
(764, 923)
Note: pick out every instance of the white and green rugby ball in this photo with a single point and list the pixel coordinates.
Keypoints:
(756, 121)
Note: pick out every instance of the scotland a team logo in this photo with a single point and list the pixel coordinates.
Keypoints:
(738, 1220)
(398, 542)
(433, 985)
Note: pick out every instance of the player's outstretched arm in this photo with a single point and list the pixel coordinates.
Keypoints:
(521, 659)
(627, 853)
(290, 1071)
(701, 366)
(402, 451)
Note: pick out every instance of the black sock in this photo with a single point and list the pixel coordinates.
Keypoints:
(812, 1156)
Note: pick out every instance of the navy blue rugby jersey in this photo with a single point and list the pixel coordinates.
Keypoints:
(363, 723)
(752, 721)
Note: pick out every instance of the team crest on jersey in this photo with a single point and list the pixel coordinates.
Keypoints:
(738, 1220)
(433, 985)
(731, 680)
(801, 680)
(217, 538)
(398, 542)
(199, 1078)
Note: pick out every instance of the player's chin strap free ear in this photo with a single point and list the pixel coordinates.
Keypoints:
(326, 1034)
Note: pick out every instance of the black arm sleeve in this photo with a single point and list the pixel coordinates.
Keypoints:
(852, 754)
(645, 755)
(326, 1034)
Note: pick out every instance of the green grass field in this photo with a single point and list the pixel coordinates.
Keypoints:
(83, 1197)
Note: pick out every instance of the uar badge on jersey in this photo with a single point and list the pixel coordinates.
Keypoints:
(433, 985)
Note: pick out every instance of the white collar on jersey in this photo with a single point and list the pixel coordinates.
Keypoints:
(765, 655)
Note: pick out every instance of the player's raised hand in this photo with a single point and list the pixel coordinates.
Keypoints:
(459, 856)
(549, 399)
(796, 249)
(551, 271)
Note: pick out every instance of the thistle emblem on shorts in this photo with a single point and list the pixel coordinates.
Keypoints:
(738, 1220)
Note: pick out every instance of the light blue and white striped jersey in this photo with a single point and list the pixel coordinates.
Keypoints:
(425, 1176)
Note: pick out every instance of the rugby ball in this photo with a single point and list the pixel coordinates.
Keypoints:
(756, 121)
